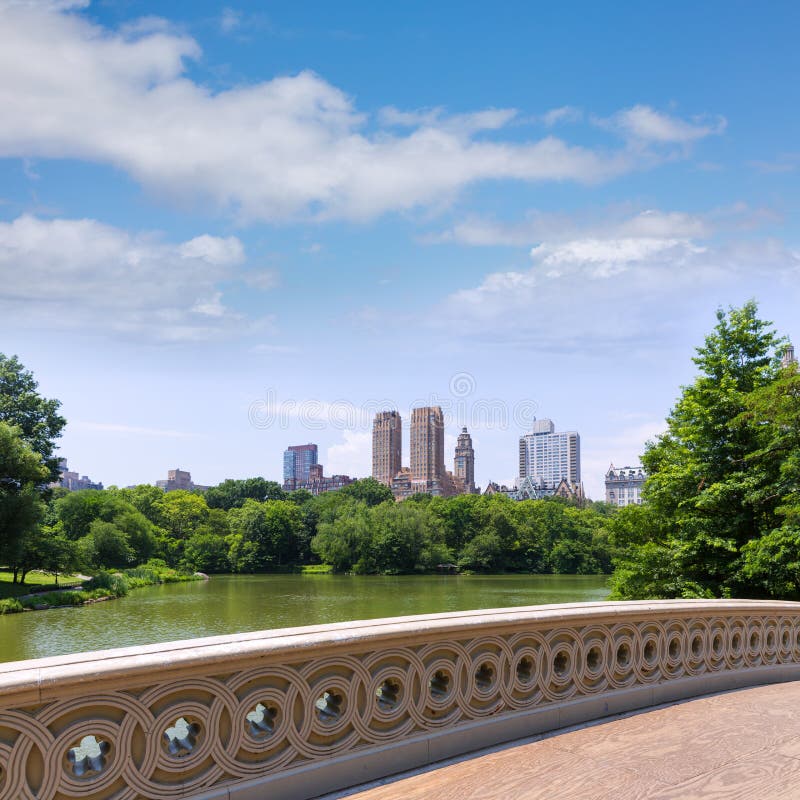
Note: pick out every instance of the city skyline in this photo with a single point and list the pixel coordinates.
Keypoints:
(553, 224)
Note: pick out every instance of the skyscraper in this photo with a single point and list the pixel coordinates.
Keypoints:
(387, 446)
(297, 462)
(546, 456)
(427, 445)
(464, 462)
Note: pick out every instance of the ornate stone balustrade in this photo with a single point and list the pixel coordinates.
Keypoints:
(297, 712)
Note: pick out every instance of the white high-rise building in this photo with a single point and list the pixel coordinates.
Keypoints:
(548, 457)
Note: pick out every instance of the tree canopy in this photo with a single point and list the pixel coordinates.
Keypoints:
(714, 488)
(37, 418)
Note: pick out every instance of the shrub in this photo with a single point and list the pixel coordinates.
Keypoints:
(115, 584)
(10, 606)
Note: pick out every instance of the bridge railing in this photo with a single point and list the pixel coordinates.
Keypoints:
(297, 712)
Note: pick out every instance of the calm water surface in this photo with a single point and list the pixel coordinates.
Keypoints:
(234, 604)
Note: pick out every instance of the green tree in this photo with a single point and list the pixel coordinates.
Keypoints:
(145, 498)
(21, 507)
(771, 563)
(344, 540)
(701, 491)
(47, 548)
(368, 490)
(36, 417)
(267, 535)
(182, 512)
(207, 552)
(105, 546)
(232, 493)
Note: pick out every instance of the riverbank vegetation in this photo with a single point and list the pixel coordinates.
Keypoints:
(360, 529)
(102, 586)
(721, 515)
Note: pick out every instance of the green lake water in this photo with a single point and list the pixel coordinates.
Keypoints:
(234, 604)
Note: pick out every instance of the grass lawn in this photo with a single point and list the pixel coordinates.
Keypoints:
(34, 581)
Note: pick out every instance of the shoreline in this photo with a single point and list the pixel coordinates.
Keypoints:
(120, 585)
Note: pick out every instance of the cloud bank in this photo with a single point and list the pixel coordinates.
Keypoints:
(291, 147)
(78, 274)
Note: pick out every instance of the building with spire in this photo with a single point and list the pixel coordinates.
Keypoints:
(387, 446)
(464, 464)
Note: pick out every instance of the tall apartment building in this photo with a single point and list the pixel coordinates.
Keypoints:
(624, 485)
(297, 462)
(546, 456)
(387, 446)
(464, 462)
(427, 446)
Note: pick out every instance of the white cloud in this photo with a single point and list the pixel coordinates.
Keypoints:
(554, 227)
(214, 250)
(81, 274)
(352, 457)
(557, 116)
(263, 279)
(635, 283)
(230, 20)
(785, 162)
(621, 444)
(647, 125)
(292, 146)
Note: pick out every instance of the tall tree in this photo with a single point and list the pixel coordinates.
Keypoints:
(37, 418)
(701, 506)
(21, 508)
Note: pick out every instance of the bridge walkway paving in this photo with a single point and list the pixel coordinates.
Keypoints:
(739, 744)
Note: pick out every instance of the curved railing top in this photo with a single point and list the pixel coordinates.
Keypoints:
(40, 679)
(298, 712)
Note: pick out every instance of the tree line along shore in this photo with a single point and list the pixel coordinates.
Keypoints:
(720, 518)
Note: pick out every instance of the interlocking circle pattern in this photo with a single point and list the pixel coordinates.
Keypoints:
(177, 737)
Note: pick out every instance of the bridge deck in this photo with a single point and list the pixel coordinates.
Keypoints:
(744, 744)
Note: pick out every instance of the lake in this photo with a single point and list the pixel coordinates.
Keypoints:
(235, 604)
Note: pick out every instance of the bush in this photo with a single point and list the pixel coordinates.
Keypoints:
(115, 584)
(10, 606)
(54, 599)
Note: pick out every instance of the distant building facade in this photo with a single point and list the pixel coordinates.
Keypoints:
(498, 488)
(788, 356)
(427, 473)
(72, 480)
(547, 456)
(464, 464)
(179, 479)
(624, 485)
(427, 443)
(427, 449)
(319, 483)
(298, 460)
(387, 446)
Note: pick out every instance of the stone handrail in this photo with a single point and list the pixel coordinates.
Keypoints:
(298, 712)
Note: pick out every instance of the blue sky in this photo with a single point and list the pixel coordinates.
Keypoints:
(225, 229)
